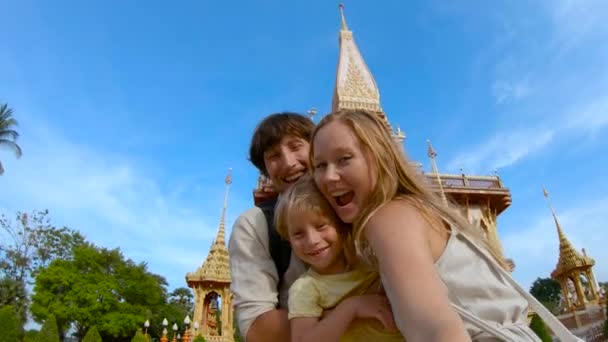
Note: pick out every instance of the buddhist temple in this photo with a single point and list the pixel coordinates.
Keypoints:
(481, 198)
(211, 286)
(582, 300)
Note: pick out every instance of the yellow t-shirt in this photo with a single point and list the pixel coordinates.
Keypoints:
(313, 293)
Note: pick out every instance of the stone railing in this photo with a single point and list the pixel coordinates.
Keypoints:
(464, 181)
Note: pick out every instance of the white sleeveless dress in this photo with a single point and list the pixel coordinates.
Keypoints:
(479, 290)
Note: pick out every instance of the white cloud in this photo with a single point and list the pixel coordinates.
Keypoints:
(590, 118)
(505, 91)
(502, 150)
(575, 21)
(110, 200)
(535, 249)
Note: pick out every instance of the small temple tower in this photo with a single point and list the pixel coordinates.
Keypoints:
(211, 284)
(582, 301)
(574, 271)
(481, 198)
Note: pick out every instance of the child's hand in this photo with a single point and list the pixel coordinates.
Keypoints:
(374, 306)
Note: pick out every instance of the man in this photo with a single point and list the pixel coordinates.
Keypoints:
(279, 149)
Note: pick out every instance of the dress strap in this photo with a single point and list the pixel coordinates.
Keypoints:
(548, 318)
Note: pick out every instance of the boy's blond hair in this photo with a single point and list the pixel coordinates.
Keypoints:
(304, 195)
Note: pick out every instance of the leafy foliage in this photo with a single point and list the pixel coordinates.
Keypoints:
(98, 287)
(49, 331)
(32, 243)
(31, 336)
(8, 135)
(92, 335)
(538, 326)
(9, 326)
(183, 299)
(547, 291)
(13, 293)
(27, 245)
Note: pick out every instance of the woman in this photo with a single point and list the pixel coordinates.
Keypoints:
(442, 280)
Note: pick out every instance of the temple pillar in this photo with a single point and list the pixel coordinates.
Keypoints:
(579, 289)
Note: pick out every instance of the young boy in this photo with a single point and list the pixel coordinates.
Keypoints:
(334, 280)
(279, 150)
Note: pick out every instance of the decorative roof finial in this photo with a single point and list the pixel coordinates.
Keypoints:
(311, 113)
(432, 154)
(344, 26)
(220, 239)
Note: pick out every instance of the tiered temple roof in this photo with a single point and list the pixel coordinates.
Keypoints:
(216, 267)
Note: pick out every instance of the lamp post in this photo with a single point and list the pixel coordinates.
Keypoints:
(196, 329)
(186, 327)
(146, 326)
(164, 337)
(174, 332)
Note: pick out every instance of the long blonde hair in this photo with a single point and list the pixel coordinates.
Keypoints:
(396, 179)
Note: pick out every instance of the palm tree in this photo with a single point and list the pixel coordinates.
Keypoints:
(7, 134)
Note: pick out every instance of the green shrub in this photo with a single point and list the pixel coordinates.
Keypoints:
(49, 331)
(92, 335)
(139, 337)
(9, 325)
(538, 326)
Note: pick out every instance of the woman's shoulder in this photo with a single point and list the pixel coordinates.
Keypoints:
(398, 210)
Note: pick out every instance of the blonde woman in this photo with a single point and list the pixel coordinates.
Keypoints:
(443, 282)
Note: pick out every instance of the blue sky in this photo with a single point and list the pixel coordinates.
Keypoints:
(131, 112)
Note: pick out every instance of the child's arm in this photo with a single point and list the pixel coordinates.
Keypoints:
(332, 326)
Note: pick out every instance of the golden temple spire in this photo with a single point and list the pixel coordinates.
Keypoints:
(216, 266)
(560, 232)
(221, 234)
(569, 257)
(431, 153)
(344, 26)
(355, 86)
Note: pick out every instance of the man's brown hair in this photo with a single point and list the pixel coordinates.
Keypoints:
(272, 129)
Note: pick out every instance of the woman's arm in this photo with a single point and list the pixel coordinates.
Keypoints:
(405, 247)
(332, 326)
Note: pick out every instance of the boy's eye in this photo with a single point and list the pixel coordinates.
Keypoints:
(320, 165)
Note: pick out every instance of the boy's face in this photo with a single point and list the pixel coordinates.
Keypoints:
(315, 240)
(287, 161)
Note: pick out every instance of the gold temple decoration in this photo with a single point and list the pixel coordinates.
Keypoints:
(355, 86)
(574, 271)
(432, 154)
(211, 283)
(480, 198)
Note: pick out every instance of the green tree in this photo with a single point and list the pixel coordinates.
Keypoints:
(9, 326)
(92, 335)
(538, 326)
(8, 135)
(98, 287)
(13, 293)
(546, 291)
(49, 331)
(28, 244)
(183, 299)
